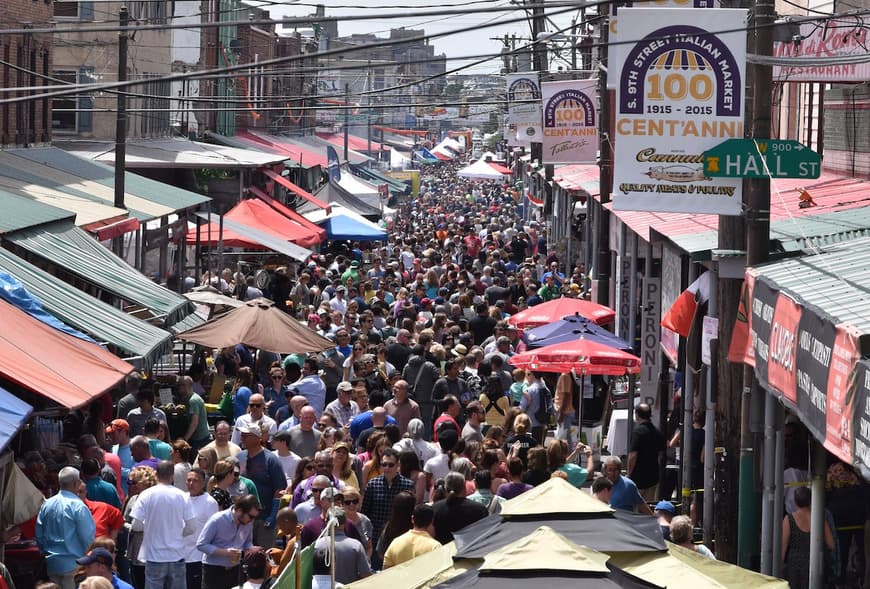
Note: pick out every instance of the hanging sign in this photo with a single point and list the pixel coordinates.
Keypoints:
(570, 131)
(524, 106)
(680, 93)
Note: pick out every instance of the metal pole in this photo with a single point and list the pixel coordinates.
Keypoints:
(767, 483)
(346, 117)
(778, 488)
(710, 418)
(621, 319)
(817, 519)
(632, 293)
(121, 124)
(629, 418)
(688, 400)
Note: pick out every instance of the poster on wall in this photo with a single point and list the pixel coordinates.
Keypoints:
(570, 121)
(680, 93)
(524, 106)
(861, 419)
(840, 397)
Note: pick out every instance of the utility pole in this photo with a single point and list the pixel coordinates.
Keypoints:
(605, 178)
(540, 65)
(346, 116)
(121, 125)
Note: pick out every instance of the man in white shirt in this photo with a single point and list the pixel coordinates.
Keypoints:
(256, 415)
(163, 513)
(289, 460)
(311, 385)
(203, 506)
(338, 302)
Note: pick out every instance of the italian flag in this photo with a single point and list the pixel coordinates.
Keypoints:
(680, 316)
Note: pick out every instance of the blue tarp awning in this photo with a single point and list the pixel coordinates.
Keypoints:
(340, 226)
(13, 414)
(13, 292)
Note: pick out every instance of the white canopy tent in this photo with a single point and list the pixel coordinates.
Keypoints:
(399, 160)
(480, 170)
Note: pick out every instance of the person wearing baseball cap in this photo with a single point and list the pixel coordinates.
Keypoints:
(118, 432)
(665, 512)
(98, 563)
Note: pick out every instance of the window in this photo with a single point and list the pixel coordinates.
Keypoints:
(65, 9)
(72, 113)
(157, 92)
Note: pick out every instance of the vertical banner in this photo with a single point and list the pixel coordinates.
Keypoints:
(623, 304)
(680, 93)
(650, 330)
(524, 106)
(815, 344)
(840, 399)
(570, 121)
(861, 430)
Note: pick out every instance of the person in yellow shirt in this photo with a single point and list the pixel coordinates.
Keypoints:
(416, 541)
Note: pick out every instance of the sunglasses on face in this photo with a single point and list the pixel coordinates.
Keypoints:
(388, 464)
(255, 404)
(277, 377)
(351, 501)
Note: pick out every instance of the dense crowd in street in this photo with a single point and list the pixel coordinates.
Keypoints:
(412, 426)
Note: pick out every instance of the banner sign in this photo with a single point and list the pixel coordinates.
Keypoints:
(615, 48)
(680, 93)
(570, 121)
(524, 106)
(650, 336)
(861, 429)
(809, 362)
(824, 42)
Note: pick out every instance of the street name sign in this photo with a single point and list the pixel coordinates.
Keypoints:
(762, 158)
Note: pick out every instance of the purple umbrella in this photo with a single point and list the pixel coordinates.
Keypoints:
(570, 328)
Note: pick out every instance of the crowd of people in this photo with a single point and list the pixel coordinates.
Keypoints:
(413, 426)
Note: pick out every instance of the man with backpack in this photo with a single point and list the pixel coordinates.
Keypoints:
(537, 403)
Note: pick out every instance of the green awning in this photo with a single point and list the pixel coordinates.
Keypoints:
(189, 322)
(74, 250)
(396, 186)
(20, 212)
(100, 320)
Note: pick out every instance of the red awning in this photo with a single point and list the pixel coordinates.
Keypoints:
(111, 228)
(295, 189)
(441, 156)
(53, 364)
(578, 177)
(500, 168)
(304, 157)
(353, 142)
(288, 212)
(830, 192)
(257, 214)
(230, 238)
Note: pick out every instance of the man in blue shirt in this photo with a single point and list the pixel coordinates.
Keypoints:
(64, 529)
(98, 563)
(624, 494)
(265, 470)
(225, 536)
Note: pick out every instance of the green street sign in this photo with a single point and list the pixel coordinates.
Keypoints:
(760, 158)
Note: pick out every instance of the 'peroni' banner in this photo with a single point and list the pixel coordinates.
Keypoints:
(680, 93)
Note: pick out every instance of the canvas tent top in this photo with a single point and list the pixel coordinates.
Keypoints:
(480, 170)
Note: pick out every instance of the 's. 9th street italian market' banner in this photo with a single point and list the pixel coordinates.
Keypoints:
(524, 107)
(680, 93)
(570, 122)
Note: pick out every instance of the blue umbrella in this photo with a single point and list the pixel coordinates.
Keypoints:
(570, 328)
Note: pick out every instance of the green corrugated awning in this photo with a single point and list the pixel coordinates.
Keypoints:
(20, 212)
(100, 320)
(149, 199)
(189, 322)
(74, 250)
(396, 186)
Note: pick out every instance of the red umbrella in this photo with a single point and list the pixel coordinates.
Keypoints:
(582, 355)
(559, 308)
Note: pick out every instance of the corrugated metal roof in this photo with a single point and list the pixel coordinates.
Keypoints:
(841, 211)
(578, 177)
(172, 153)
(835, 281)
(145, 198)
(20, 212)
(78, 309)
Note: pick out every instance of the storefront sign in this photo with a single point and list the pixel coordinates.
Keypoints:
(824, 42)
(650, 330)
(524, 106)
(680, 93)
(570, 131)
(861, 430)
(809, 362)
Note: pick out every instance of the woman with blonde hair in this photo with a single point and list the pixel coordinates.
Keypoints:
(522, 440)
(342, 465)
(352, 504)
(96, 583)
(139, 479)
(561, 460)
(510, 420)
(374, 445)
(206, 459)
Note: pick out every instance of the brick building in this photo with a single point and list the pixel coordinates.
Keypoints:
(26, 58)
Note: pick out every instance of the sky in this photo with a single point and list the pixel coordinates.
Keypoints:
(475, 42)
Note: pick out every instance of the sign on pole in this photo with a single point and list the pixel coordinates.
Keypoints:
(570, 121)
(680, 93)
(762, 158)
(524, 106)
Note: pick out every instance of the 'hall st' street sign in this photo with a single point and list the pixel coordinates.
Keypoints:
(760, 158)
